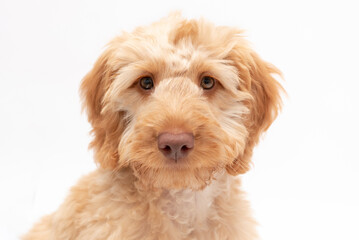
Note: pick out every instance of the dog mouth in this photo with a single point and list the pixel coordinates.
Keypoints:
(176, 160)
(177, 164)
(173, 176)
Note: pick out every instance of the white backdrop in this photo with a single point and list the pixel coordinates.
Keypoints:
(304, 182)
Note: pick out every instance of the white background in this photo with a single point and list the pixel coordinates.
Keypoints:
(305, 180)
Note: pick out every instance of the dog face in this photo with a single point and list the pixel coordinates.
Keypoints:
(179, 101)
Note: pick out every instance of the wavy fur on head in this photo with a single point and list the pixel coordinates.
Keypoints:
(137, 193)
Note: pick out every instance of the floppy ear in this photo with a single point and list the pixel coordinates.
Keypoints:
(257, 80)
(106, 127)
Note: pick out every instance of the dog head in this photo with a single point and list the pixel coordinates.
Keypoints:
(178, 101)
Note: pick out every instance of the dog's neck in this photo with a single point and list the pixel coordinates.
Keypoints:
(188, 206)
(180, 212)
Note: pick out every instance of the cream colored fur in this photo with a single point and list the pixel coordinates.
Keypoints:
(112, 207)
(138, 193)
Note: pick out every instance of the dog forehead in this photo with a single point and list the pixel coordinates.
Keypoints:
(180, 59)
(165, 43)
(162, 58)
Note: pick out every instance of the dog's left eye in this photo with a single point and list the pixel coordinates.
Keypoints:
(146, 83)
(207, 82)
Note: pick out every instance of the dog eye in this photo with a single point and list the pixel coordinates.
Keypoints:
(146, 83)
(207, 82)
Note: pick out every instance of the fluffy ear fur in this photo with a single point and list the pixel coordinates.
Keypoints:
(106, 127)
(256, 79)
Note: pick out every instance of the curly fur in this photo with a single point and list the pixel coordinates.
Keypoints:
(136, 193)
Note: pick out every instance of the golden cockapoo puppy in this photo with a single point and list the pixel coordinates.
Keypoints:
(176, 109)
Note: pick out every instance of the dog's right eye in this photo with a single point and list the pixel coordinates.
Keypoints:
(207, 82)
(146, 83)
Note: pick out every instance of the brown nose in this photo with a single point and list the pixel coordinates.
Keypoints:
(175, 146)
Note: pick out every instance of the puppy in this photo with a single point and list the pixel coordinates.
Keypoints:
(176, 109)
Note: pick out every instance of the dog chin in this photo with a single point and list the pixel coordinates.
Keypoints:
(174, 177)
